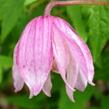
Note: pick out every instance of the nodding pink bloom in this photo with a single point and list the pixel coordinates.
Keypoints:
(49, 43)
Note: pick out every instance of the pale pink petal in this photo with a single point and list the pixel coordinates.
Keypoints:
(35, 58)
(72, 74)
(76, 52)
(61, 54)
(25, 54)
(18, 81)
(70, 93)
(47, 86)
(80, 61)
(19, 59)
(66, 29)
(22, 46)
(80, 83)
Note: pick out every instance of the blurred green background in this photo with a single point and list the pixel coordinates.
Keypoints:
(91, 23)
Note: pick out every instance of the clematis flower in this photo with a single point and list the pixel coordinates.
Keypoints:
(49, 43)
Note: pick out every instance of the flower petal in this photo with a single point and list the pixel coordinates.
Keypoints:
(61, 54)
(76, 52)
(19, 59)
(67, 29)
(72, 74)
(80, 83)
(80, 61)
(25, 54)
(75, 63)
(47, 86)
(36, 52)
(18, 81)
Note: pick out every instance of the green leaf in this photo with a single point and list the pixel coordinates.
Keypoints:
(27, 2)
(105, 102)
(98, 25)
(80, 99)
(22, 101)
(1, 74)
(103, 72)
(93, 108)
(10, 12)
(79, 23)
(5, 63)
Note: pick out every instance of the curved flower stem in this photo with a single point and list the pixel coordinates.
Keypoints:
(73, 2)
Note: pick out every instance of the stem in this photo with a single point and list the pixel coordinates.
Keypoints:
(73, 2)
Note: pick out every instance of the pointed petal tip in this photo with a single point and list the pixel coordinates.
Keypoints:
(72, 99)
(35, 92)
(48, 94)
(67, 84)
(91, 83)
(31, 96)
(16, 90)
(47, 86)
(70, 93)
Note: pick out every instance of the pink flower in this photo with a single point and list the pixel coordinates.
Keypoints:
(49, 42)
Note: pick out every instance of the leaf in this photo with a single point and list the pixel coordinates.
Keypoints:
(93, 108)
(79, 23)
(27, 2)
(10, 12)
(22, 101)
(105, 102)
(1, 74)
(80, 99)
(103, 72)
(98, 25)
(5, 63)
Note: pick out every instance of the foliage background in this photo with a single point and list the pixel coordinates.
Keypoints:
(91, 23)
